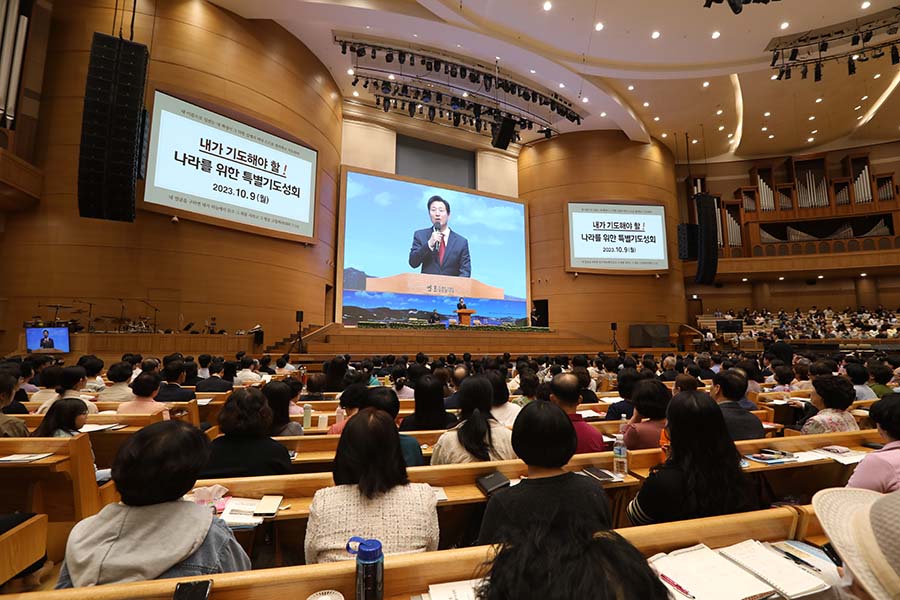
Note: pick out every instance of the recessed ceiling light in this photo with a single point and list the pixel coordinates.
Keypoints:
(821, 277)
(855, 57)
(603, 115)
(646, 105)
(630, 88)
(585, 99)
(694, 141)
(719, 112)
(368, 27)
(497, 57)
(655, 35)
(812, 117)
(785, 25)
(562, 85)
(721, 128)
(862, 274)
(391, 77)
(818, 100)
(598, 26)
(706, 84)
(465, 94)
(773, 77)
(814, 131)
(744, 279)
(548, 5)
(665, 135)
(716, 35)
(781, 278)
(459, 45)
(765, 129)
(865, 5)
(767, 114)
(858, 107)
(532, 71)
(656, 119)
(771, 136)
(355, 94)
(350, 71)
(859, 118)
(415, 35)
(877, 76)
(864, 98)
(730, 135)
(810, 140)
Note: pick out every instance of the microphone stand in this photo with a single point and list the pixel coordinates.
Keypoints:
(155, 315)
(90, 305)
(121, 314)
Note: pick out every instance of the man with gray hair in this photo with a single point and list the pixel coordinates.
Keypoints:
(669, 373)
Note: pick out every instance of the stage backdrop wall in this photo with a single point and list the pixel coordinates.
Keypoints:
(190, 270)
(598, 166)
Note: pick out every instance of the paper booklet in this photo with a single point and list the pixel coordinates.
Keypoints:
(455, 590)
(789, 579)
(24, 458)
(239, 513)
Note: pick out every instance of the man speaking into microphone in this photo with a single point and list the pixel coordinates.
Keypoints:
(438, 250)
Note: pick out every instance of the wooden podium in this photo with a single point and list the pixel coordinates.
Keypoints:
(434, 285)
(465, 316)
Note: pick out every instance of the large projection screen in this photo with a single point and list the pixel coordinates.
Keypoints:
(387, 272)
(213, 169)
(616, 237)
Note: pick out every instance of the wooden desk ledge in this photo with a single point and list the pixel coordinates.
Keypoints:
(22, 546)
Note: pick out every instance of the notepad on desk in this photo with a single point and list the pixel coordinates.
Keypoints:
(455, 590)
(24, 458)
(590, 414)
(238, 513)
(92, 427)
(788, 579)
(203, 401)
(707, 575)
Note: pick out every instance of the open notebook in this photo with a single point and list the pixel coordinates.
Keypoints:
(745, 571)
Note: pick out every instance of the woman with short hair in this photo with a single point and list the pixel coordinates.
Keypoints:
(832, 396)
(278, 395)
(651, 399)
(153, 533)
(71, 381)
(372, 496)
(245, 449)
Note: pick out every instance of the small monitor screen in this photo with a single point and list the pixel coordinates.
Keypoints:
(47, 338)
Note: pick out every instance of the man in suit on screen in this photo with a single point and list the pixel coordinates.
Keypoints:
(438, 250)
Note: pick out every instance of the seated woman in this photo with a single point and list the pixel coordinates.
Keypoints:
(71, 381)
(501, 408)
(651, 399)
(549, 563)
(399, 380)
(784, 376)
(278, 395)
(295, 408)
(478, 437)
(545, 439)
(315, 387)
(832, 395)
(145, 387)
(702, 476)
(429, 413)
(152, 533)
(372, 496)
(880, 470)
(50, 378)
(119, 374)
(10, 426)
(245, 449)
(351, 401)
(64, 419)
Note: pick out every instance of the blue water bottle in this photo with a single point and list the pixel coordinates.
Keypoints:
(369, 568)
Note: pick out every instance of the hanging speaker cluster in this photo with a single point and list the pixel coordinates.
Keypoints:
(707, 239)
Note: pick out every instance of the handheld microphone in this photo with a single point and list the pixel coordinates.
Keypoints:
(437, 229)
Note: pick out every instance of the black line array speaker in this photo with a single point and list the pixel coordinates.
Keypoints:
(299, 316)
(111, 128)
(687, 241)
(708, 241)
(504, 133)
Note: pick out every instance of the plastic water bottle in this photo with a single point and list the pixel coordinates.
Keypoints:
(369, 568)
(339, 415)
(307, 416)
(620, 456)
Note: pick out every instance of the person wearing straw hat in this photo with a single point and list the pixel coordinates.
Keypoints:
(864, 528)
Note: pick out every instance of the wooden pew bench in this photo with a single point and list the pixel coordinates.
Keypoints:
(22, 546)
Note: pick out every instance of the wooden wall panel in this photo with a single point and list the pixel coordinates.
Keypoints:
(598, 166)
(191, 270)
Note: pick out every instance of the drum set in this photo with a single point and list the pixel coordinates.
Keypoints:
(91, 324)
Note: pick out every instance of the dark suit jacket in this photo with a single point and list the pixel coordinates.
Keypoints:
(740, 423)
(214, 383)
(456, 255)
(172, 392)
(246, 456)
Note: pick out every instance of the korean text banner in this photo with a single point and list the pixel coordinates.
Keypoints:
(617, 237)
(205, 163)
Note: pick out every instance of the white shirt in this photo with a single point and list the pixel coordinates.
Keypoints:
(203, 373)
(506, 413)
(448, 450)
(245, 376)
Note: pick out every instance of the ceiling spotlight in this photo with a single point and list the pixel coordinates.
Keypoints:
(694, 141)
(864, 6)
(665, 135)
(858, 107)
(389, 57)
(864, 98)
(391, 77)
(585, 99)
(465, 94)
(812, 117)
(781, 278)
(851, 67)
(767, 114)
(355, 81)
(804, 71)
(655, 35)
(810, 140)
(719, 112)
(630, 88)
(814, 131)
(744, 279)
(855, 57)
(343, 47)
(721, 128)
(646, 105)
(350, 71)
(765, 129)
(854, 40)
(774, 77)
(374, 54)
(862, 274)
(823, 46)
(360, 52)
(598, 26)
(895, 56)
(877, 76)
(818, 100)
(603, 115)
(821, 277)
(818, 72)
(730, 135)
(775, 56)
(706, 84)
(795, 52)
(716, 35)
(656, 119)
(532, 71)
(771, 136)
(785, 25)
(867, 37)
(355, 94)
(548, 5)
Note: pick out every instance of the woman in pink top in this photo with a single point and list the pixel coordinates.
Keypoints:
(145, 387)
(651, 399)
(351, 401)
(880, 470)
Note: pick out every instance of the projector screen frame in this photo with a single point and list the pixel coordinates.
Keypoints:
(250, 121)
(341, 225)
(567, 242)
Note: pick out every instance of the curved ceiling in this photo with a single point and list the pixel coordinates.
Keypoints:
(684, 88)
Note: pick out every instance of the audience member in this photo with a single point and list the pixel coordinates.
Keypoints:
(459, 374)
(651, 399)
(51, 377)
(10, 426)
(203, 361)
(119, 374)
(544, 438)
(152, 533)
(16, 405)
(565, 392)
(315, 387)
(372, 496)
(146, 389)
(335, 369)
(702, 475)
(384, 398)
(686, 383)
(784, 376)
(727, 389)
(504, 411)
(669, 373)
(278, 395)
(429, 413)
(622, 409)
(859, 377)
(171, 390)
(352, 400)
(245, 449)
(400, 381)
(880, 470)
(214, 382)
(881, 375)
(229, 371)
(832, 395)
(92, 367)
(71, 382)
(248, 372)
(191, 377)
(478, 436)
(528, 385)
(265, 365)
